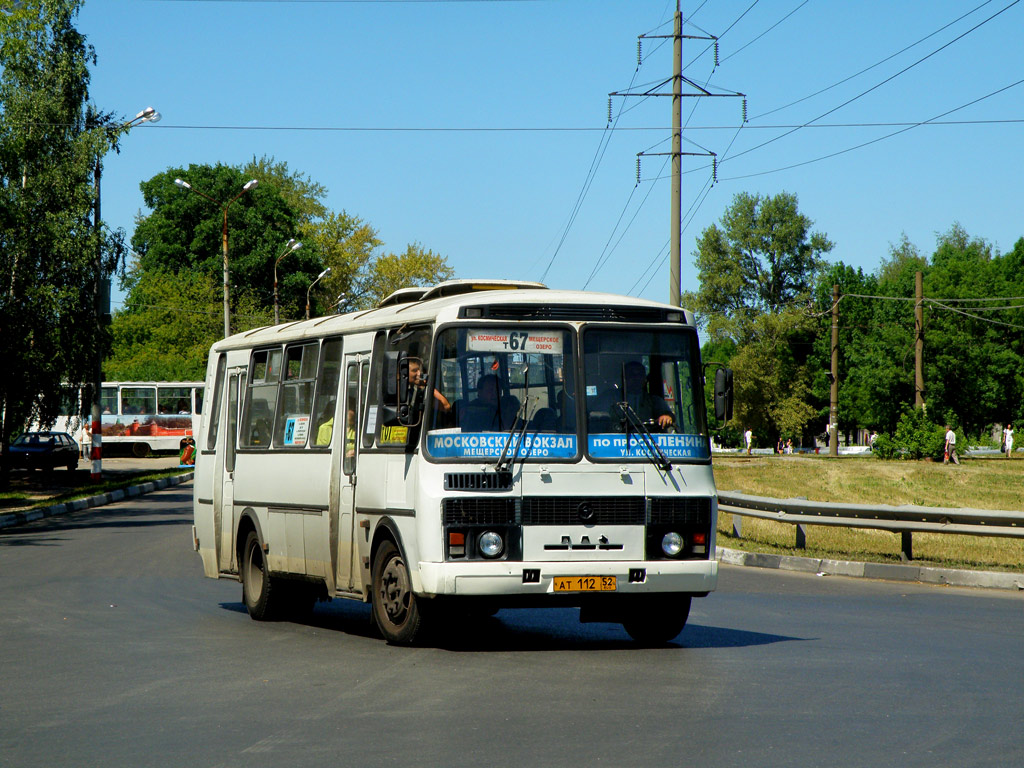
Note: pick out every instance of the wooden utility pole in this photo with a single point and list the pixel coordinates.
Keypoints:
(919, 340)
(833, 408)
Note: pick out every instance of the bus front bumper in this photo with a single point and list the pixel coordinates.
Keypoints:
(696, 577)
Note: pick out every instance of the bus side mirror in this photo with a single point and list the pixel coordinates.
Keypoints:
(394, 388)
(395, 378)
(723, 394)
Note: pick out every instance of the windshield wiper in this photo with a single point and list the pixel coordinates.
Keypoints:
(500, 465)
(654, 453)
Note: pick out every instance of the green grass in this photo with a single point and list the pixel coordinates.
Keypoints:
(31, 492)
(980, 483)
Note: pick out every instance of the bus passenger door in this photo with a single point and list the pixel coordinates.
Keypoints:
(236, 378)
(357, 371)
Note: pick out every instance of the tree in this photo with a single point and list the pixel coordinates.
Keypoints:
(184, 229)
(51, 139)
(346, 245)
(764, 258)
(757, 272)
(169, 322)
(388, 273)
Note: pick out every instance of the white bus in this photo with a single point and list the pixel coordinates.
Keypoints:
(146, 415)
(473, 445)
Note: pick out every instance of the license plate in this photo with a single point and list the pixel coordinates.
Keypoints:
(584, 583)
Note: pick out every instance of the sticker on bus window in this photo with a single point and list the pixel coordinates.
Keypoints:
(295, 430)
(617, 445)
(490, 445)
(526, 341)
(394, 435)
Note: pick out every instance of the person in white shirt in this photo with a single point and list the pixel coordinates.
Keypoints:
(1008, 440)
(950, 446)
(748, 439)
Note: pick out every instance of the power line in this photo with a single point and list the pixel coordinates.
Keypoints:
(773, 26)
(879, 84)
(866, 69)
(873, 141)
(551, 129)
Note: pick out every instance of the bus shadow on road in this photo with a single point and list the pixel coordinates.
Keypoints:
(548, 629)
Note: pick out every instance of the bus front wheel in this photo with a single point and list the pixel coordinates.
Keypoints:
(657, 621)
(396, 611)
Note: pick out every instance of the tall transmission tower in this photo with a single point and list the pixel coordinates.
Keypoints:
(677, 94)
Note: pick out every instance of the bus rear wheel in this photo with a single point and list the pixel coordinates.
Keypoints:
(657, 621)
(140, 450)
(396, 611)
(259, 590)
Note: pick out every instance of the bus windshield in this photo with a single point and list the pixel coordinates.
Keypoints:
(503, 391)
(654, 374)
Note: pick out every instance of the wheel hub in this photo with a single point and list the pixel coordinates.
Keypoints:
(394, 590)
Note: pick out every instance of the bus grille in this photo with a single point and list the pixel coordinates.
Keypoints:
(695, 511)
(574, 510)
(577, 510)
(479, 511)
(477, 481)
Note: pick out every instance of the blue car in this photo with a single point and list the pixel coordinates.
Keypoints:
(43, 450)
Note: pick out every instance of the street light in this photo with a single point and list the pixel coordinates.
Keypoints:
(318, 278)
(147, 115)
(224, 238)
(292, 245)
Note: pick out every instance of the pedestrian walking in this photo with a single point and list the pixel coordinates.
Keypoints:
(748, 439)
(950, 447)
(1008, 440)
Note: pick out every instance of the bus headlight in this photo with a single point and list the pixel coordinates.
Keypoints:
(671, 544)
(490, 544)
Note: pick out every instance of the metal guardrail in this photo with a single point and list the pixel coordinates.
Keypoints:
(906, 518)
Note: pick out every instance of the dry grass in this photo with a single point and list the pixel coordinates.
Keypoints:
(980, 483)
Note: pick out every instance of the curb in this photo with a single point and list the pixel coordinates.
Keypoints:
(884, 571)
(11, 519)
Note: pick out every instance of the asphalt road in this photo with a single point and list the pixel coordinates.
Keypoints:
(116, 651)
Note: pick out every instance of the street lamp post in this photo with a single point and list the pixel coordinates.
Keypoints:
(147, 115)
(292, 245)
(224, 238)
(318, 279)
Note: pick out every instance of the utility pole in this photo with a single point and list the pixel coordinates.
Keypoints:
(919, 341)
(675, 261)
(675, 255)
(833, 408)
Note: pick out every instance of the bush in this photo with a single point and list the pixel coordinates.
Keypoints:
(884, 447)
(916, 437)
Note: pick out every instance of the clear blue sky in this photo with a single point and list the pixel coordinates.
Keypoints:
(472, 126)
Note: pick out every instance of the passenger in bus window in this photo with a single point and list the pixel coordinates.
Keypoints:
(326, 421)
(489, 411)
(350, 434)
(418, 378)
(647, 406)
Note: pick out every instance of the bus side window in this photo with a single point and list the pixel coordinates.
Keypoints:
(327, 393)
(218, 394)
(138, 401)
(348, 464)
(296, 402)
(261, 399)
(108, 400)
